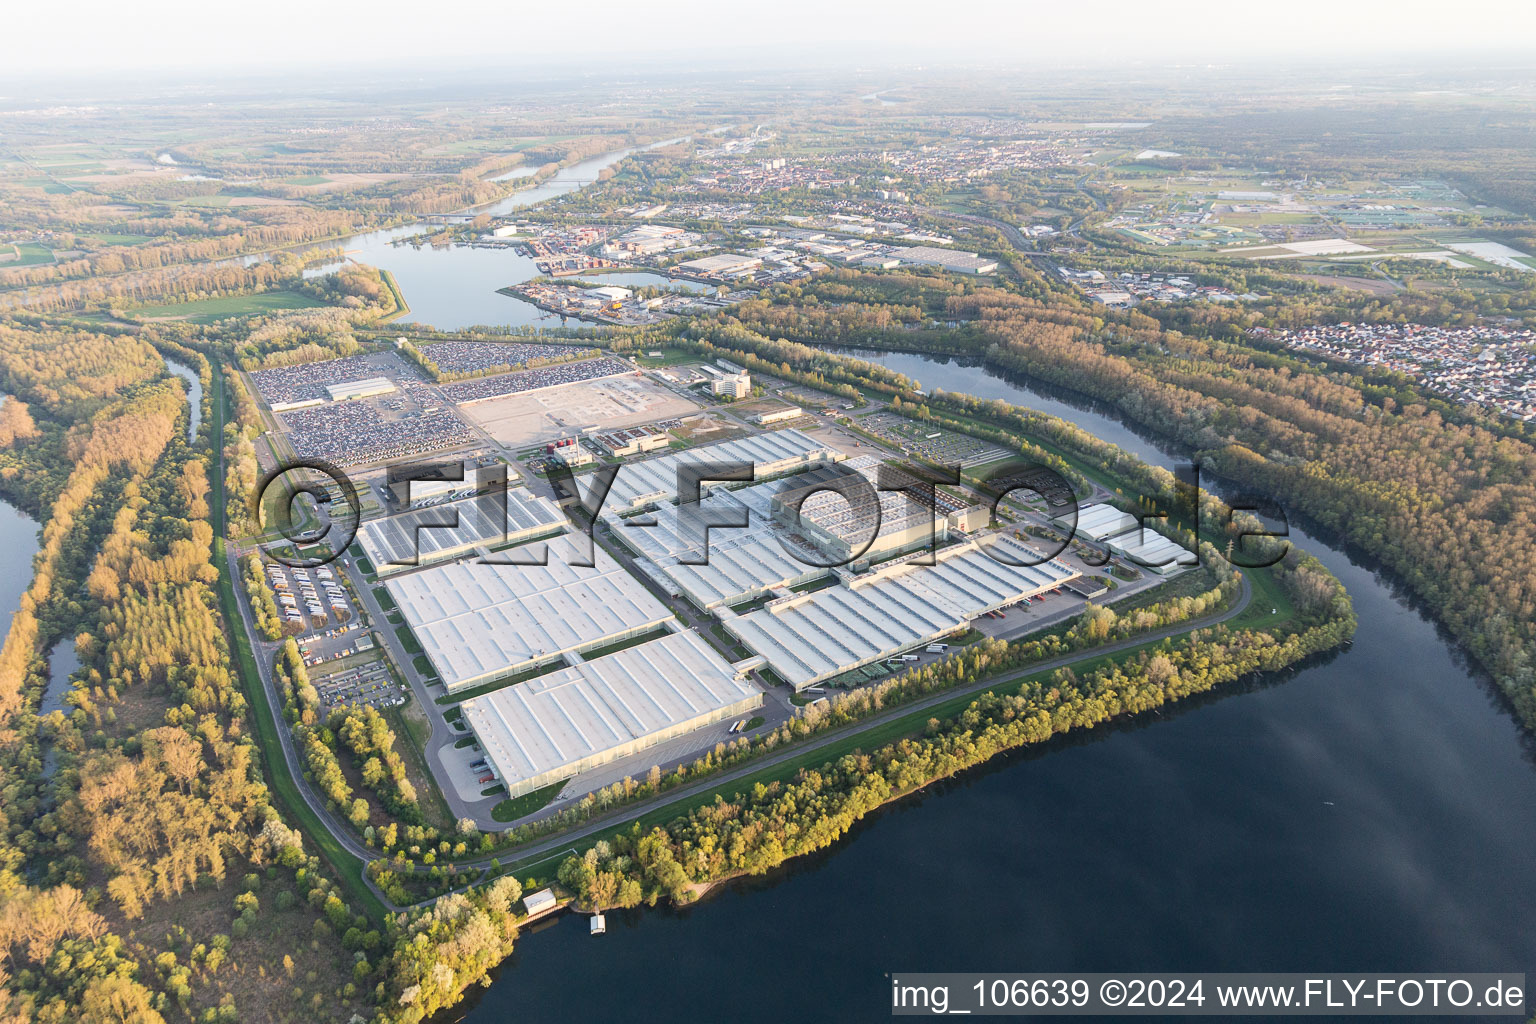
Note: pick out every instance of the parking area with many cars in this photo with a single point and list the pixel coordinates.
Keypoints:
(367, 682)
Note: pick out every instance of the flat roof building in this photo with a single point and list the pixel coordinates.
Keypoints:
(898, 606)
(360, 388)
(478, 621)
(553, 727)
(655, 480)
(399, 542)
(720, 265)
(1099, 522)
(778, 415)
(1151, 550)
(741, 564)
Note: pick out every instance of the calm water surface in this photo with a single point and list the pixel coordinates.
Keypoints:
(1372, 811)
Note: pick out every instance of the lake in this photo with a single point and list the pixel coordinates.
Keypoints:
(1371, 811)
(455, 286)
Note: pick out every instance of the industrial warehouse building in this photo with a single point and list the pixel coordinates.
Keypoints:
(480, 621)
(360, 389)
(901, 605)
(843, 531)
(399, 542)
(740, 565)
(1099, 522)
(639, 484)
(550, 728)
(1151, 550)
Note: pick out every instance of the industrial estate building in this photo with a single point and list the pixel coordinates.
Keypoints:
(479, 621)
(1151, 550)
(1124, 535)
(639, 484)
(742, 563)
(399, 542)
(808, 638)
(360, 389)
(845, 531)
(1099, 522)
(552, 727)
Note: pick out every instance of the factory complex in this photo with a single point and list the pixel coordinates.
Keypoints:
(550, 728)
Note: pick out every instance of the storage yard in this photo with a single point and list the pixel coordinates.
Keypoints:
(606, 404)
(557, 725)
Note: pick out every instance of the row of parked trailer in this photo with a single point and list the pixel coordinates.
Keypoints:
(293, 585)
(482, 768)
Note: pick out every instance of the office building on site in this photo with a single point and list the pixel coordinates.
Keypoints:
(734, 385)
(479, 621)
(778, 416)
(550, 728)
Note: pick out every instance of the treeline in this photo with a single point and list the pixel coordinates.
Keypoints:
(289, 225)
(1435, 500)
(155, 791)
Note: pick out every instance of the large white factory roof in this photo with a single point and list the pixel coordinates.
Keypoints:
(560, 722)
(639, 483)
(1097, 522)
(478, 621)
(739, 563)
(417, 537)
(892, 609)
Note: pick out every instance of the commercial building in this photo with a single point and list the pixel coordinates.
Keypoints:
(479, 621)
(807, 638)
(399, 542)
(642, 483)
(439, 486)
(553, 727)
(610, 294)
(360, 389)
(948, 259)
(726, 264)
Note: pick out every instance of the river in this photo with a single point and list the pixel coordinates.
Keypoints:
(1371, 811)
(194, 395)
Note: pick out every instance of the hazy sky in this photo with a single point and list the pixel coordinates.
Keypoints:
(154, 35)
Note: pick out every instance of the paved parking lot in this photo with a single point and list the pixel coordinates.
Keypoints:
(368, 682)
(309, 599)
